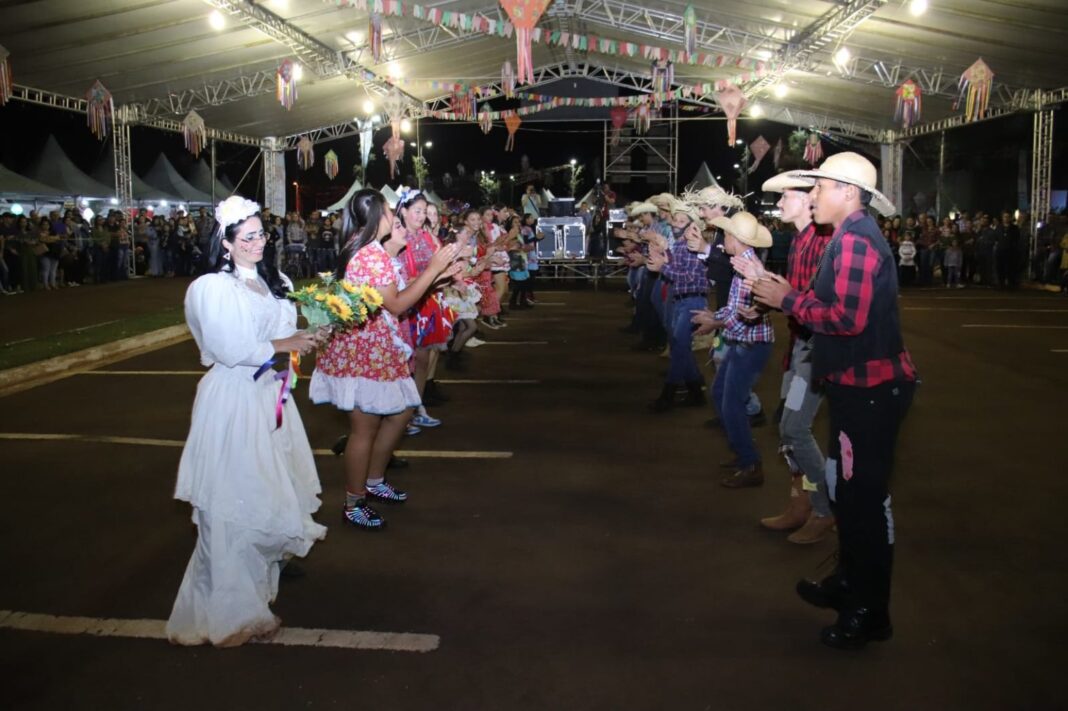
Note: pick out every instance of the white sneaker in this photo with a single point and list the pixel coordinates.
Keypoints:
(473, 342)
(488, 324)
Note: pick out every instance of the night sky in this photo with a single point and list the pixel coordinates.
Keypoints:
(989, 152)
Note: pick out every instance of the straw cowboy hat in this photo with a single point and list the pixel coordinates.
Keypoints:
(790, 180)
(745, 229)
(687, 209)
(714, 196)
(641, 207)
(853, 169)
(662, 201)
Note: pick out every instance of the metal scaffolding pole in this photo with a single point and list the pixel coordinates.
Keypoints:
(892, 157)
(940, 186)
(213, 199)
(274, 177)
(1041, 170)
(124, 178)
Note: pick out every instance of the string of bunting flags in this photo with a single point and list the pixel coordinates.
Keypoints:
(552, 38)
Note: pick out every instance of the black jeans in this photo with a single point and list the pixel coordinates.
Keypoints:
(860, 458)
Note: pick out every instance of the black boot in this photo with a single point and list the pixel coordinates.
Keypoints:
(666, 400)
(454, 361)
(339, 446)
(830, 593)
(855, 628)
(695, 394)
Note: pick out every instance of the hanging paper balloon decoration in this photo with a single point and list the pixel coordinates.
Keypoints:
(689, 23)
(909, 97)
(305, 153)
(286, 84)
(777, 157)
(394, 151)
(813, 149)
(462, 104)
(732, 101)
(194, 133)
(485, 121)
(975, 84)
(511, 122)
(99, 110)
(374, 36)
(394, 106)
(524, 14)
(758, 149)
(618, 115)
(663, 75)
(330, 164)
(508, 80)
(642, 119)
(6, 83)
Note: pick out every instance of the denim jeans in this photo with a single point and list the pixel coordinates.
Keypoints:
(735, 377)
(683, 367)
(795, 429)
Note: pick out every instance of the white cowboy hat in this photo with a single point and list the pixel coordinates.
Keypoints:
(685, 208)
(790, 180)
(641, 207)
(662, 201)
(853, 169)
(745, 229)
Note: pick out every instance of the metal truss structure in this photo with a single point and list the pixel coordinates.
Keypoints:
(124, 177)
(660, 146)
(1041, 172)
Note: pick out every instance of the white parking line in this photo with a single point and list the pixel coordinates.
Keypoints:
(1058, 350)
(986, 311)
(487, 382)
(155, 629)
(1007, 325)
(149, 442)
(515, 343)
(143, 372)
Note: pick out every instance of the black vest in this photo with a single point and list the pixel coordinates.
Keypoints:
(881, 337)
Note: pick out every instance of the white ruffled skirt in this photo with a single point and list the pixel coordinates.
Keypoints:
(374, 397)
(254, 489)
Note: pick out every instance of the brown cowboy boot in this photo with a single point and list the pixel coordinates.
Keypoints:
(816, 528)
(797, 509)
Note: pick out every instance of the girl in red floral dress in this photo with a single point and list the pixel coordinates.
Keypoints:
(365, 371)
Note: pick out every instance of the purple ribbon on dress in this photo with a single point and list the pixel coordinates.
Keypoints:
(283, 392)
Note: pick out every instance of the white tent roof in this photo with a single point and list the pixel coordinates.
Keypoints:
(11, 183)
(390, 195)
(53, 167)
(703, 178)
(340, 204)
(105, 173)
(432, 197)
(164, 177)
(199, 176)
(547, 195)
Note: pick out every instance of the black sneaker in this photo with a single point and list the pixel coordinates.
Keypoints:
(385, 493)
(363, 516)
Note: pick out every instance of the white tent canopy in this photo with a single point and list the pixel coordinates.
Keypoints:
(164, 177)
(105, 173)
(199, 176)
(340, 204)
(390, 195)
(11, 183)
(53, 167)
(433, 198)
(703, 178)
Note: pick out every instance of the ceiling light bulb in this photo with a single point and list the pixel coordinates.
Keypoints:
(354, 37)
(781, 90)
(216, 20)
(406, 126)
(368, 106)
(842, 56)
(756, 111)
(298, 72)
(917, 7)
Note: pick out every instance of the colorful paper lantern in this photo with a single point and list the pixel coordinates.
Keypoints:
(689, 23)
(975, 85)
(394, 151)
(508, 80)
(758, 149)
(511, 122)
(731, 100)
(618, 115)
(524, 15)
(909, 103)
(99, 110)
(813, 149)
(374, 35)
(305, 153)
(194, 133)
(286, 84)
(330, 164)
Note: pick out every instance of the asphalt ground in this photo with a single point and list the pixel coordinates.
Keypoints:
(601, 566)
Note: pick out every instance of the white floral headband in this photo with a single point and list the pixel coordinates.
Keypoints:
(235, 209)
(406, 194)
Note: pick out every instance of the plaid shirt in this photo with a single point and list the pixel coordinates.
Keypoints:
(854, 271)
(685, 272)
(735, 328)
(802, 263)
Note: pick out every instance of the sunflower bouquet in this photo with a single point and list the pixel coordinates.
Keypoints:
(336, 303)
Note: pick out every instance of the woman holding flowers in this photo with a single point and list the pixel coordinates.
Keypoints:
(364, 370)
(246, 468)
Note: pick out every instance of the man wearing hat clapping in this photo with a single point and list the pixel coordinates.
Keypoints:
(869, 380)
(808, 508)
(749, 336)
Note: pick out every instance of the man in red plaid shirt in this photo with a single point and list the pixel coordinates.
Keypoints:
(869, 380)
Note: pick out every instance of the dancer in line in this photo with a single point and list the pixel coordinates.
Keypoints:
(365, 371)
(247, 467)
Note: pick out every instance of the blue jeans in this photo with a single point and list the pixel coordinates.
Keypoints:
(735, 377)
(683, 367)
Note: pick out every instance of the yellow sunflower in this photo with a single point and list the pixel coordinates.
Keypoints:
(349, 287)
(339, 308)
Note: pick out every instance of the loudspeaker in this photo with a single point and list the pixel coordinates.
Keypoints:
(562, 207)
(575, 241)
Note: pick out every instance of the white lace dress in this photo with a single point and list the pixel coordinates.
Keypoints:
(253, 486)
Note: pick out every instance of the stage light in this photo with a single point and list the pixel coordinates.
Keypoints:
(114, 201)
(395, 72)
(917, 7)
(574, 162)
(368, 106)
(739, 142)
(756, 111)
(354, 37)
(298, 72)
(737, 166)
(406, 126)
(842, 57)
(781, 90)
(217, 21)
(163, 203)
(16, 209)
(428, 144)
(87, 215)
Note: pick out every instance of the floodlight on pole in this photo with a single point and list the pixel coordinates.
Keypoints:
(574, 162)
(737, 166)
(428, 144)
(739, 142)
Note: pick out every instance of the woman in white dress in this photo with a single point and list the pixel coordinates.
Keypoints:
(250, 478)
